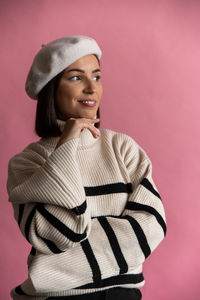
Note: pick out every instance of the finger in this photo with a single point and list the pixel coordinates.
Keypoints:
(93, 130)
(94, 120)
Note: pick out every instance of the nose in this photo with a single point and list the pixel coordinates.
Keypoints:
(90, 87)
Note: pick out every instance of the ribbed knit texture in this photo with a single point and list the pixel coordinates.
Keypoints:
(91, 211)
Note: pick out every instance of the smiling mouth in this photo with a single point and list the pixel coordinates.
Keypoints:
(88, 103)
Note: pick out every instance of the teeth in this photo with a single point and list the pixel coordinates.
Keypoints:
(90, 102)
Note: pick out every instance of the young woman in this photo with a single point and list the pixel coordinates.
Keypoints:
(84, 198)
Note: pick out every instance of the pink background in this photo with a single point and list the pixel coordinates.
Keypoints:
(151, 77)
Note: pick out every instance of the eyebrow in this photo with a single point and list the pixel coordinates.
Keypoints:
(82, 71)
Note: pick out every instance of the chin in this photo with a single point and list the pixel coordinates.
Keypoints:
(88, 116)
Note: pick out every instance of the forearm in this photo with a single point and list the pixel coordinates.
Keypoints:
(50, 228)
(133, 236)
(57, 181)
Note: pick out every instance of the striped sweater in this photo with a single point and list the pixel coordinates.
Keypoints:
(91, 211)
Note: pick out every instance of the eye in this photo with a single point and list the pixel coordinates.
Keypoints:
(72, 78)
(75, 78)
(97, 78)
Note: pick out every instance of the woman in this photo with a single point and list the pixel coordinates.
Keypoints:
(84, 198)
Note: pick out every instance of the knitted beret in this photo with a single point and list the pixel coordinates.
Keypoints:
(56, 56)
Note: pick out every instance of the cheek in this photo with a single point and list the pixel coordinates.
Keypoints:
(100, 90)
(65, 93)
(62, 92)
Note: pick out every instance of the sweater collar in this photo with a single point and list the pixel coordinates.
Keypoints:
(86, 137)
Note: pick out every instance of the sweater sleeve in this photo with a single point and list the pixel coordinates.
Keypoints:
(134, 235)
(48, 197)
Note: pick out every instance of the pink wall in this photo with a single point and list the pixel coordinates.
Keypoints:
(151, 77)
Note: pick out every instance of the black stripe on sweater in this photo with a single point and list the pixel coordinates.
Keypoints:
(149, 209)
(61, 227)
(115, 280)
(79, 210)
(112, 188)
(33, 251)
(140, 235)
(19, 291)
(51, 245)
(91, 260)
(114, 244)
(147, 184)
(28, 223)
(21, 210)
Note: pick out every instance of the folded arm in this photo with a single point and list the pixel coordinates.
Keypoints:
(48, 197)
(132, 236)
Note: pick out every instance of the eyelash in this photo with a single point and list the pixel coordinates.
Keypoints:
(98, 77)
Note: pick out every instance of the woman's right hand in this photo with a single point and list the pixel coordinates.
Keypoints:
(74, 126)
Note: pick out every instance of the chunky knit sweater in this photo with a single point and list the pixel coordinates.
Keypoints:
(89, 208)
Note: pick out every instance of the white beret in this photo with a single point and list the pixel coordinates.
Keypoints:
(56, 56)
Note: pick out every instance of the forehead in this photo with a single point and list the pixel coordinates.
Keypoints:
(86, 62)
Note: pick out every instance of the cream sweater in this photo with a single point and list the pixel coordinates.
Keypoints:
(91, 211)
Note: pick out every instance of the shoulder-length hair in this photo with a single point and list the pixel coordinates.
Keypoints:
(46, 124)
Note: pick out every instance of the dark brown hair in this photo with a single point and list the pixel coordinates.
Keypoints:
(45, 122)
